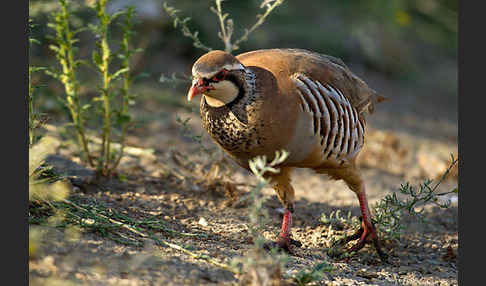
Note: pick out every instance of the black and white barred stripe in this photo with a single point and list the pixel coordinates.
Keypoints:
(335, 120)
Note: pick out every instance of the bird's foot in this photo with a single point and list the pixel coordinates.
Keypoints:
(362, 236)
(283, 243)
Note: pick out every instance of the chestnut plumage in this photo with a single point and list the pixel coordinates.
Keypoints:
(307, 103)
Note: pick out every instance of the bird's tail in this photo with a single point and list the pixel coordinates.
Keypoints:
(367, 106)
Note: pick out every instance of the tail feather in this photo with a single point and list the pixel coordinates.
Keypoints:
(367, 106)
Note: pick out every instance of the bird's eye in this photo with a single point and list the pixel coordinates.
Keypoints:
(220, 76)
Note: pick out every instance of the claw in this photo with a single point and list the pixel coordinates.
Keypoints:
(279, 245)
(283, 243)
(361, 235)
(295, 242)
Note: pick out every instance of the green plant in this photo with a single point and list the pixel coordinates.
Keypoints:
(336, 220)
(45, 187)
(103, 59)
(226, 25)
(186, 132)
(113, 115)
(388, 211)
(35, 119)
(258, 216)
(43, 184)
(127, 97)
(108, 222)
(186, 31)
(65, 52)
(259, 265)
(316, 273)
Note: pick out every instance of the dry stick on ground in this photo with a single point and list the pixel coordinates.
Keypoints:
(159, 240)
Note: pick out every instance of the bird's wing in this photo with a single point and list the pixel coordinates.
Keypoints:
(285, 64)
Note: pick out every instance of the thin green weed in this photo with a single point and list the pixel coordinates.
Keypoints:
(114, 98)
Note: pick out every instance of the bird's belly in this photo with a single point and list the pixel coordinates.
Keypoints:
(303, 142)
(308, 151)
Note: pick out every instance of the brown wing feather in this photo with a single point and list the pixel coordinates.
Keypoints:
(326, 69)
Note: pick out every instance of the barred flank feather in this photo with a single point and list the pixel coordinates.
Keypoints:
(336, 120)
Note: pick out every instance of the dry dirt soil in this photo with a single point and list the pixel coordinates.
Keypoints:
(164, 177)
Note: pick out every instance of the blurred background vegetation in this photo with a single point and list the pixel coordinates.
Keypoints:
(405, 49)
(408, 42)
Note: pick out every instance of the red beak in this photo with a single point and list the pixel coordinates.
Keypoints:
(198, 87)
(193, 91)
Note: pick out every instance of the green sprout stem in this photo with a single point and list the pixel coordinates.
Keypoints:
(389, 210)
(31, 109)
(226, 25)
(126, 55)
(172, 12)
(260, 21)
(225, 33)
(106, 78)
(64, 37)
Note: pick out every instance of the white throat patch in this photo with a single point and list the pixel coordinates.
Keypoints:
(223, 93)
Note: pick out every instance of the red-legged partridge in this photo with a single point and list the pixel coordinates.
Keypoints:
(306, 103)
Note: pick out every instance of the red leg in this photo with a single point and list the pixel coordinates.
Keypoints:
(367, 228)
(284, 239)
(285, 193)
(286, 223)
(353, 179)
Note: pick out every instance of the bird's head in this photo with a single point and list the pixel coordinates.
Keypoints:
(216, 76)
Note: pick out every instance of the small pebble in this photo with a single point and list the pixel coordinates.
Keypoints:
(202, 221)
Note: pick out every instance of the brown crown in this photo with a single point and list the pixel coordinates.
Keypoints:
(213, 62)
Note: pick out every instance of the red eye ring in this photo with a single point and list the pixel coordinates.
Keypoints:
(220, 76)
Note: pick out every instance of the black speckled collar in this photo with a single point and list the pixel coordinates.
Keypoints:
(245, 96)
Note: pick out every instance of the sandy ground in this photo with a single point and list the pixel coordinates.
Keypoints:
(409, 139)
